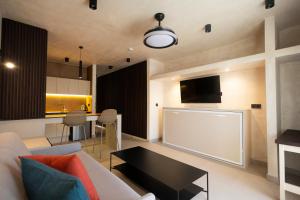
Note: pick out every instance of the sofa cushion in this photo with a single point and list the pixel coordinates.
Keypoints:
(107, 184)
(69, 164)
(11, 185)
(43, 182)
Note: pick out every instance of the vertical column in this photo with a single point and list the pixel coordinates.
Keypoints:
(271, 96)
(94, 83)
(282, 172)
(154, 100)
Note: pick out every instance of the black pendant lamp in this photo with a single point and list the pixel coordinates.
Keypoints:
(160, 37)
(80, 63)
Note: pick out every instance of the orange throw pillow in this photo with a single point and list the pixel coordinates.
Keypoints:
(69, 164)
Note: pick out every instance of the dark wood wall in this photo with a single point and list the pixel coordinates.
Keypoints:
(22, 89)
(126, 91)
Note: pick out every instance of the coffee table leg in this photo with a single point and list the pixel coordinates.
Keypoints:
(110, 163)
(207, 187)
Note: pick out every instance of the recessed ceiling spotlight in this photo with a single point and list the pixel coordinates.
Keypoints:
(207, 28)
(159, 37)
(9, 65)
(130, 49)
(110, 67)
(269, 4)
(93, 4)
(67, 59)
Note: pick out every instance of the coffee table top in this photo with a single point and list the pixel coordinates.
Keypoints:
(175, 174)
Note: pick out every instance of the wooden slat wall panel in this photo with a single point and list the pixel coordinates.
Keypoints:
(126, 91)
(22, 90)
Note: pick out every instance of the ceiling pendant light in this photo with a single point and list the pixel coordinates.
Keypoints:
(159, 37)
(80, 63)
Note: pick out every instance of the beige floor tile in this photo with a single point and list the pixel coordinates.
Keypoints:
(225, 181)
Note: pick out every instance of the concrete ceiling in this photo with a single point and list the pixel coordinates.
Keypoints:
(116, 25)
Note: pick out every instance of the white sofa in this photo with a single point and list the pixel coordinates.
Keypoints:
(108, 186)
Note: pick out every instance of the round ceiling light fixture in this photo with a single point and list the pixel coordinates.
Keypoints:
(159, 37)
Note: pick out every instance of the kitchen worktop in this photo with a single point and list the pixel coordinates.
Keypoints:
(90, 117)
(60, 112)
(61, 115)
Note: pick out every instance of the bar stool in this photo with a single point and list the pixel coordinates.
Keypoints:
(108, 117)
(72, 119)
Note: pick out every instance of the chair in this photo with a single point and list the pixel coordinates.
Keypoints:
(107, 117)
(74, 118)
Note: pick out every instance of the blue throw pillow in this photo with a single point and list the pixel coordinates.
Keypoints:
(43, 182)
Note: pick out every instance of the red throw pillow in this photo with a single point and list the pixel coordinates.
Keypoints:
(69, 164)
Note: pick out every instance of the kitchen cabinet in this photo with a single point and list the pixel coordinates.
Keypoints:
(62, 86)
(57, 85)
(51, 85)
(73, 86)
(84, 87)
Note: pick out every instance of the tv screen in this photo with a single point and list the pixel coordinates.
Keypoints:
(201, 90)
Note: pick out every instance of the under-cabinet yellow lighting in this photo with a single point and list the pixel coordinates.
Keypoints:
(67, 95)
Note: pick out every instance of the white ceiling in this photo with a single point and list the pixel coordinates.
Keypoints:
(107, 32)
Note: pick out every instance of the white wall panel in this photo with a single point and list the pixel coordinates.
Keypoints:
(218, 134)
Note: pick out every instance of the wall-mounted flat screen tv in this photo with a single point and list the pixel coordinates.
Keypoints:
(201, 90)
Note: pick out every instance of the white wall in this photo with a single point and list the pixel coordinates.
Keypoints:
(289, 37)
(155, 106)
(155, 96)
(240, 89)
(290, 104)
(290, 95)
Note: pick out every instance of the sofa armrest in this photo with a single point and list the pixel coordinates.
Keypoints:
(57, 150)
(148, 196)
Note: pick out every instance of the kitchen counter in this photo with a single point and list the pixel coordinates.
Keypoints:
(62, 115)
(91, 117)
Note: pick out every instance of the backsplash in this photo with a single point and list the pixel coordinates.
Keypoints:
(67, 103)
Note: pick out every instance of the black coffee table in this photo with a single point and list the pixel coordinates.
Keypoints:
(166, 178)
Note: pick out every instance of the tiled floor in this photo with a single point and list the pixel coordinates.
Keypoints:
(225, 181)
